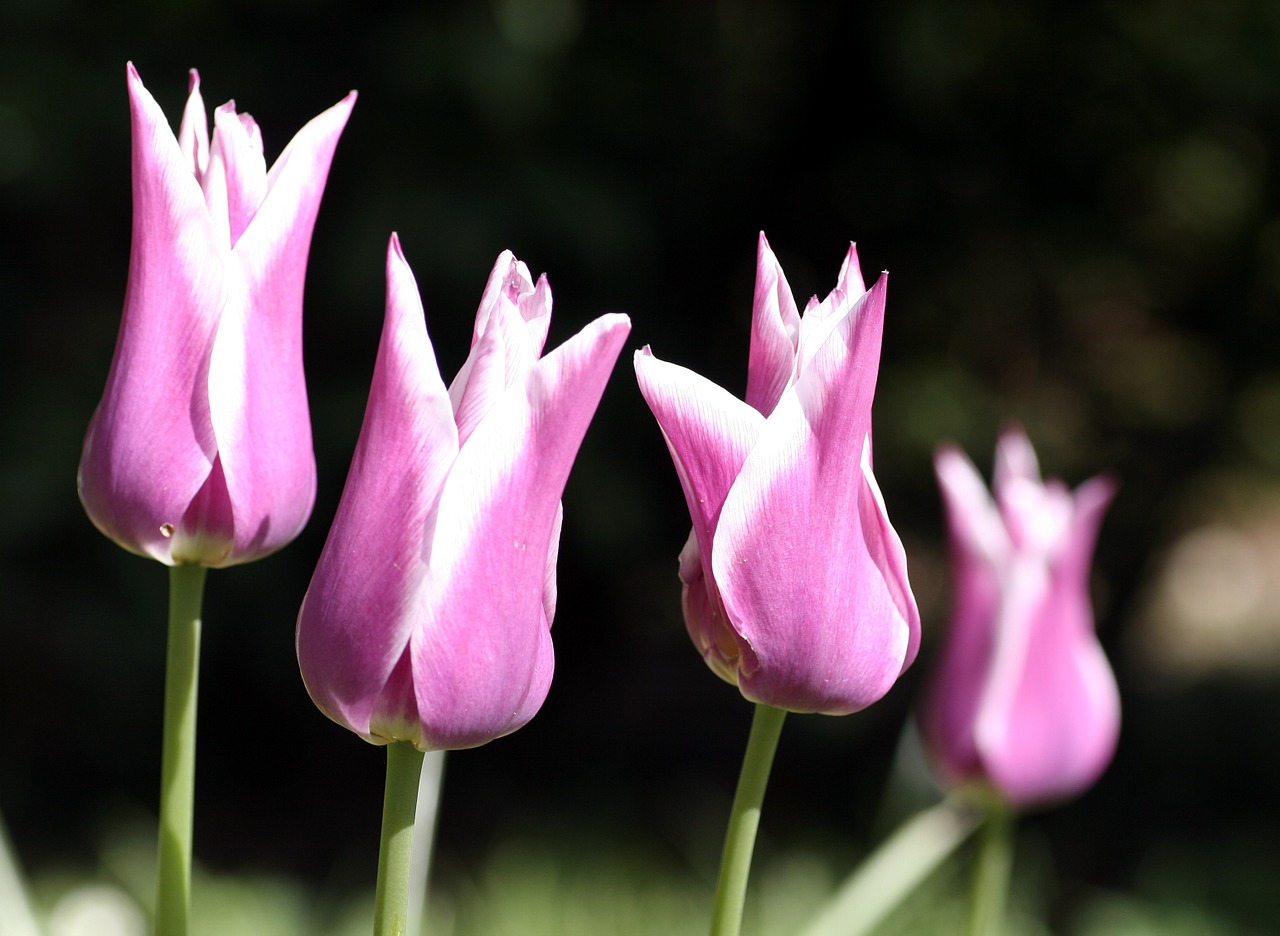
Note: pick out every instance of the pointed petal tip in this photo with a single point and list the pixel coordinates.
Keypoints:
(961, 483)
(1097, 493)
(946, 454)
(346, 104)
(617, 320)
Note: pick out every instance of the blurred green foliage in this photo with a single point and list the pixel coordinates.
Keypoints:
(1079, 207)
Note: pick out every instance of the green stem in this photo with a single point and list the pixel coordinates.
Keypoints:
(391, 899)
(896, 868)
(744, 819)
(178, 751)
(992, 867)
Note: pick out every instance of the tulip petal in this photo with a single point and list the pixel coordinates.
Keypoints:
(1062, 721)
(1048, 723)
(355, 622)
(511, 327)
(149, 449)
(708, 430)
(816, 596)
(256, 381)
(775, 333)
(1024, 697)
(982, 545)
(237, 149)
(821, 318)
(193, 132)
(484, 633)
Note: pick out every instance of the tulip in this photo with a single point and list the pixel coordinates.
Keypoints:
(795, 583)
(1024, 699)
(200, 450)
(428, 617)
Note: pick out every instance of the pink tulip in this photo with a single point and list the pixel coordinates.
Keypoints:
(428, 618)
(200, 451)
(795, 583)
(1023, 698)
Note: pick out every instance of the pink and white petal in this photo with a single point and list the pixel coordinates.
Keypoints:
(504, 344)
(1024, 582)
(1015, 459)
(1089, 506)
(821, 318)
(974, 523)
(775, 333)
(535, 307)
(150, 445)
(257, 385)
(888, 554)
(482, 658)
(511, 284)
(708, 431)
(807, 588)
(494, 288)
(193, 133)
(978, 546)
(549, 591)
(850, 278)
(800, 584)
(354, 626)
(1052, 719)
(704, 616)
(239, 144)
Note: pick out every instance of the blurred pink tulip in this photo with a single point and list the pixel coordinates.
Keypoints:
(200, 450)
(428, 617)
(795, 583)
(1023, 698)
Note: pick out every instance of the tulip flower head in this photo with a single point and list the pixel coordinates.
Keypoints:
(428, 617)
(1024, 699)
(795, 583)
(200, 450)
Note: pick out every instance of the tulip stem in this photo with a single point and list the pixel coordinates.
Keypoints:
(744, 819)
(992, 867)
(395, 853)
(178, 751)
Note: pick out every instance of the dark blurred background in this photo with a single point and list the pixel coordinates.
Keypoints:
(1078, 204)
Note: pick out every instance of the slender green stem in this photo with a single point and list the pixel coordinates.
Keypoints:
(992, 867)
(395, 853)
(178, 751)
(897, 867)
(744, 819)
